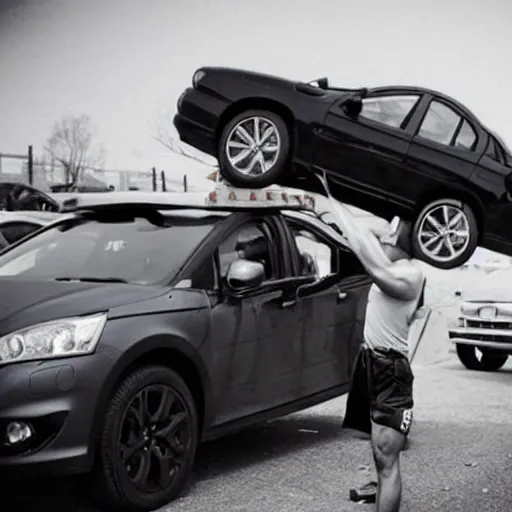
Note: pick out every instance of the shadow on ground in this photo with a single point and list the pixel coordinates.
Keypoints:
(250, 447)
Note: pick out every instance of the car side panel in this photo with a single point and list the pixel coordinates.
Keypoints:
(279, 356)
(332, 334)
(430, 166)
(230, 352)
(489, 179)
(359, 286)
(201, 111)
(362, 157)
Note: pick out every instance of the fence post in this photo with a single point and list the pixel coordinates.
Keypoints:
(30, 166)
(164, 184)
(185, 183)
(153, 171)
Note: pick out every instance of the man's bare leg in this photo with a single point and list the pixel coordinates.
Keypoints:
(387, 444)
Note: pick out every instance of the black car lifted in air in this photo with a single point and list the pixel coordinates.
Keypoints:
(392, 150)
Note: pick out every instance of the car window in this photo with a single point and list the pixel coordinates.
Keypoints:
(388, 110)
(494, 151)
(248, 242)
(14, 231)
(439, 124)
(466, 137)
(316, 256)
(3, 242)
(203, 278)
(134, 250)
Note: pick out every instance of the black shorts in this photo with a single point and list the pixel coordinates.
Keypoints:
(381, 390)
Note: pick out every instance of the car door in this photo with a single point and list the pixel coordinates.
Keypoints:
(445, 149)
(366, 154)
(254, 345)
(490, 174)
(332, 319)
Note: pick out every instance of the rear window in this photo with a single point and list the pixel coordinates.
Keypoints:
(132, 250)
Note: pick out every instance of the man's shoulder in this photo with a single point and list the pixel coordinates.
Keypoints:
(411, 267)
(410, 272)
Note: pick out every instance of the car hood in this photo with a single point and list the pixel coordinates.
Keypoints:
(27, 302)
(487, 287)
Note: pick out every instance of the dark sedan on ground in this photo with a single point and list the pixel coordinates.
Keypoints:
(395, 150)
(128, 334)
(20, 196)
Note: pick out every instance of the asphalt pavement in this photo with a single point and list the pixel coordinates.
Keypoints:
(460, 457)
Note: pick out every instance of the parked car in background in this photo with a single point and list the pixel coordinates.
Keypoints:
(483, 334)
(148, 322)
(394, 150)
(19, 196)
(16, 225)
(80, 188)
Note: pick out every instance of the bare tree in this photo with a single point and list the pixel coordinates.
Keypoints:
(72, 145)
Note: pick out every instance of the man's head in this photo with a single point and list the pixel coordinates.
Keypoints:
(397, 242)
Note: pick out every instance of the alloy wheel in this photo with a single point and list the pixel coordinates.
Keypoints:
(444, 233)
(155, 436)
(253, 145)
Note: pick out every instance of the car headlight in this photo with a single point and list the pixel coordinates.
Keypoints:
(198, 76)
(64, 337)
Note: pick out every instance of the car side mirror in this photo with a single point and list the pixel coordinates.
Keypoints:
(353, 106)
(245, 274)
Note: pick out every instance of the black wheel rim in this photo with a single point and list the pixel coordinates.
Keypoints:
(154, 438)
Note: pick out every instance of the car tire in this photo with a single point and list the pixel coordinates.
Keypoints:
(137, 399)
(489, 362)
(467, 223)
(276, 162)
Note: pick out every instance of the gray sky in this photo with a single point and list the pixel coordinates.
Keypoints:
(124, 61)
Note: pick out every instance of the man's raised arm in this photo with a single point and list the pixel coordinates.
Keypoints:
(397, 280)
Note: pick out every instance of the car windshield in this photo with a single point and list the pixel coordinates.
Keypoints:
(127, 250)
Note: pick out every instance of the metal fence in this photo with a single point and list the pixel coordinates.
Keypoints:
(45, 173)
(17, 167)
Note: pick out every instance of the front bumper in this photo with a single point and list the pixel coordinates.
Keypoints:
(197, 119)
(57, 399)
(491, 338)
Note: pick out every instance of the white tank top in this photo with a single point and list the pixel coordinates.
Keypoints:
(387, 320)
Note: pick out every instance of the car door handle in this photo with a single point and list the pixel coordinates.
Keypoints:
(288, 303)
(341, 295)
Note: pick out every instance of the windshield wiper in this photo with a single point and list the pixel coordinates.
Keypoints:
(92, 279)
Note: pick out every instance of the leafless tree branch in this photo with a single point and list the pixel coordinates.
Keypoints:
(161, 132)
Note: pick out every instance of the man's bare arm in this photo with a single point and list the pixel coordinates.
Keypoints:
(397, 280)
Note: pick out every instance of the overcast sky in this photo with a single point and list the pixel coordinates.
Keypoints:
(124, 61)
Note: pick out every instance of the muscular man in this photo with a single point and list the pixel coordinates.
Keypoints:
(380, 401)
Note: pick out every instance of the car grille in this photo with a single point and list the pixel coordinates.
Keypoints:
(483, 330)
(479, 324)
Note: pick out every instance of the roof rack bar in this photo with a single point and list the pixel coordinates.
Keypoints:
(223, 197)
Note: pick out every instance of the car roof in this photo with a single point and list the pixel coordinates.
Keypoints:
(38, 217)
(223, 198)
